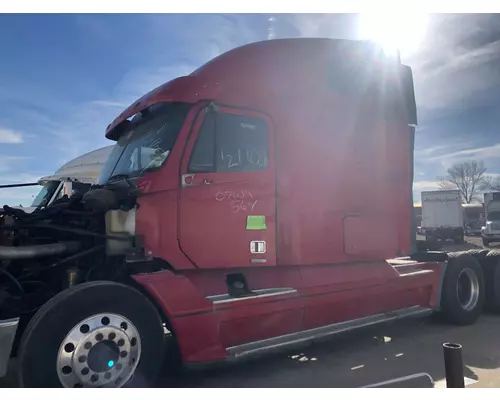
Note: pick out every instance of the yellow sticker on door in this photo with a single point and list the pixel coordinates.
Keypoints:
(256, 223)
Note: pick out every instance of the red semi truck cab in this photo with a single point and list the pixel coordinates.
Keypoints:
(272, 193)
(310, 137)
(284, 175)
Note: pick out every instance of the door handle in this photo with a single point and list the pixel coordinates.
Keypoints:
(207, 181)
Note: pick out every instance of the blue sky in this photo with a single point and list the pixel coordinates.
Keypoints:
(63, 78)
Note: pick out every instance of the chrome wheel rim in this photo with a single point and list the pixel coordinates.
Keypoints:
(100, 351)
(468, 289)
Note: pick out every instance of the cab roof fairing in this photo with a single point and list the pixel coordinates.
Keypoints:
(244, 68)
(84, 168)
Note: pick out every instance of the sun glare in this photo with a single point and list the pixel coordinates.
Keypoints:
(403, 33)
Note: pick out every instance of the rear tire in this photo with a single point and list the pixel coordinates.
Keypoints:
(491, 268)
(116, 339)
(463, 291)
(492, 274)
(486, 243)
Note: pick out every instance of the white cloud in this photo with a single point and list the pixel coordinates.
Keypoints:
(421, 186)
(478, 153)
(430, 148)
(10, 136)
(425, 185)
(108, 103)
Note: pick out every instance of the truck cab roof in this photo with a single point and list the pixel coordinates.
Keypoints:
(84, 168)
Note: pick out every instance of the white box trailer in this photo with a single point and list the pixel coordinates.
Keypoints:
(442, 215)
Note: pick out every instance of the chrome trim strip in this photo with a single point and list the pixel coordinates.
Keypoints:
(8, 328)
(257, 294)
(324, 331)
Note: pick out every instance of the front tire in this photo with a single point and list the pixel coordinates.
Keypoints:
(463, 292)
(98, 334)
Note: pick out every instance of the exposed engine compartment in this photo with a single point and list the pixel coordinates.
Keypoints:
(58, 246)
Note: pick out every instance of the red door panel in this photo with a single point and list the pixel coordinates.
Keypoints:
(214, 208)
(227, 218)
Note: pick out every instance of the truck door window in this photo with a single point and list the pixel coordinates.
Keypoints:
(242, 143)
(203, 157)
(231, 143)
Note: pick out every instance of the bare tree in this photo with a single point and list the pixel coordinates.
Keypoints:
(491, 183)
(468, 177)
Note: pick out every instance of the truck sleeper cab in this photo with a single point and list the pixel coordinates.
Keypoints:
(77, 175)
(260, 179)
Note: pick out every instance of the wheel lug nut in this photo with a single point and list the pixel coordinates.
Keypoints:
(67, 370)
(69, 347)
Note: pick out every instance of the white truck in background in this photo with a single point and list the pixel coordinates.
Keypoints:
(490, 232)
(473, 218)
(442, 215)
(77, 175)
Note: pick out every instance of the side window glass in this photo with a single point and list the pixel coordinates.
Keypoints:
(203, 156)
(59, 195)
(242, 143)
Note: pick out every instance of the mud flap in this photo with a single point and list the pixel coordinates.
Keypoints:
(8, 328)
